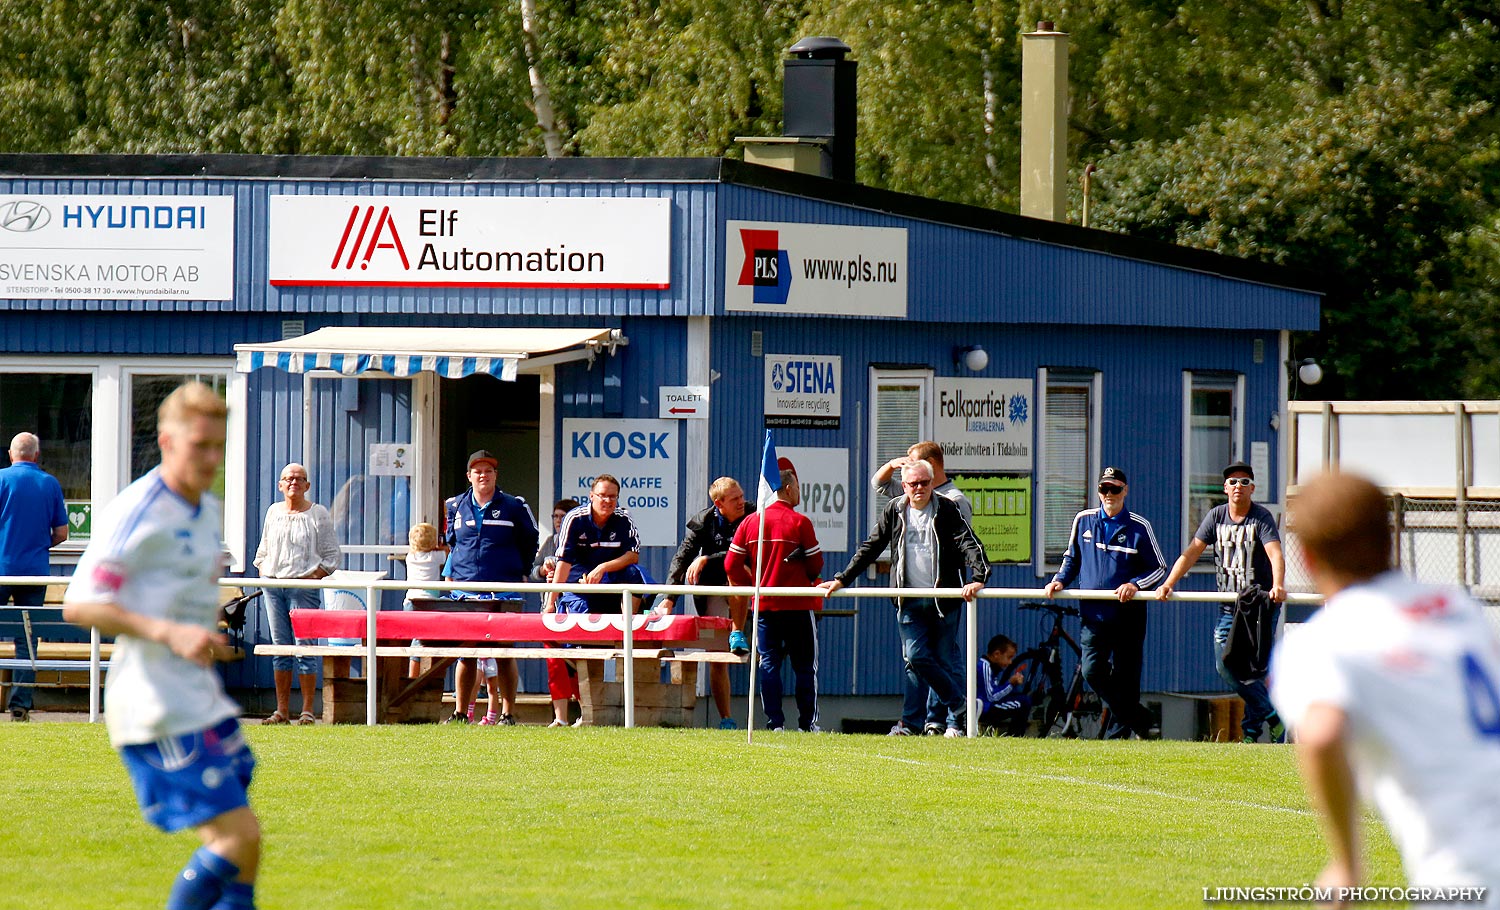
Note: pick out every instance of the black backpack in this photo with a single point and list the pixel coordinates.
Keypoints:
(1247, 654)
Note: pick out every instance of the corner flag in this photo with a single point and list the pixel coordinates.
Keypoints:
(770, 474)
(770, 482)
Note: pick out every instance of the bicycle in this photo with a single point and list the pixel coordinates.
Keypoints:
(1072, 711)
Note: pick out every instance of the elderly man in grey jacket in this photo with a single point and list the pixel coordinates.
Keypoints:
(930, 546)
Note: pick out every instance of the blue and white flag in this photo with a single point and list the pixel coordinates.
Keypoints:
(770, 474)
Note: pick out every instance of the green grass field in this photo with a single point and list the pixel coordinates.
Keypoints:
(528, 817)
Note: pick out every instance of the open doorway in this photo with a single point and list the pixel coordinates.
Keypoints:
(482, 412)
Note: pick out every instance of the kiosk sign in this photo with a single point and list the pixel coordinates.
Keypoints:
(643, 454)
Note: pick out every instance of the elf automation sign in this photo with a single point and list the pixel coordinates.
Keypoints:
(470, 242)
(833, 269)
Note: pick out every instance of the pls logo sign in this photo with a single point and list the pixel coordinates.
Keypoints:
(832, 269)
(473, 242)
(767, 269)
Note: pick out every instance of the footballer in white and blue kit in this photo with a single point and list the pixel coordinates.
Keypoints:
(149, 577)
(1393, 686)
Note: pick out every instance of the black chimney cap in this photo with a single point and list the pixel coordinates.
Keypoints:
(821, 47)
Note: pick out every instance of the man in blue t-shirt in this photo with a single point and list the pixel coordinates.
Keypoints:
(1247, 552)
(33, 520)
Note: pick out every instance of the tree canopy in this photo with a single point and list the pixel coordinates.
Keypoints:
(1353, 138)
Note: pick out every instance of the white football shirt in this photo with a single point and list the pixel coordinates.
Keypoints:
(154, 554)
(1416, 669)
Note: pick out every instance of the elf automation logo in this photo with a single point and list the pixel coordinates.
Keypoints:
(815, 268)
(383, 236)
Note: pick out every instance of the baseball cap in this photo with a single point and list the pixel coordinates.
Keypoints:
(1113, 475)
(483, 455)
(785, 464)
(1237, 468)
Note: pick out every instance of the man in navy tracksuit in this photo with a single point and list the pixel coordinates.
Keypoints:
(1111, 549)
(492, 536)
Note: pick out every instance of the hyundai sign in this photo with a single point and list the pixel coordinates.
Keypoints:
(117, 247)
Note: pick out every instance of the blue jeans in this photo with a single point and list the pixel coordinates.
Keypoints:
(1112, 667)
(279, 605)
(1257, 700)
(789, 635)
(22, 596)
(929, 648)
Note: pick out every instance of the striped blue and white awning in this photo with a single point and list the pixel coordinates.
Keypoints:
(407, 350)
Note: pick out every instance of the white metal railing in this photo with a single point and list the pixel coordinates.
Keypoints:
(627, 593)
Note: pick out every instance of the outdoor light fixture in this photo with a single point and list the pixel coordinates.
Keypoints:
(973, 357)
(1309, 372)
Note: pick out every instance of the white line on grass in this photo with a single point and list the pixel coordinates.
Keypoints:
(1118, 788)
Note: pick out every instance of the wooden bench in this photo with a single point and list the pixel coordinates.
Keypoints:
(61, 660)
(401, 700)
(62, 649)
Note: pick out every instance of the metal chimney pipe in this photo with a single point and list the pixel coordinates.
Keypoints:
(818, 99)
(1044, 123)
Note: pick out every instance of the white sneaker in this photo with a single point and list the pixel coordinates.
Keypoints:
(954, 733)
(558, 723)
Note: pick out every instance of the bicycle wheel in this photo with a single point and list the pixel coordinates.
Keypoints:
(1080, 714)
(1043, 688)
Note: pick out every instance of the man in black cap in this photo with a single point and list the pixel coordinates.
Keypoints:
(493, 537)
(1248, 561)
(1111, 549)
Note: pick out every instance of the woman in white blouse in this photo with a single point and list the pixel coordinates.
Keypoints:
(296, 541)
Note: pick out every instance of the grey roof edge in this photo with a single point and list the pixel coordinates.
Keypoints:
(705, 170)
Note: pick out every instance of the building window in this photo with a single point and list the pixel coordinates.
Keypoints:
(1070, 455)
(96, 419)
(147, 392)
(58, 408)
(900, 417)
(1213, 439)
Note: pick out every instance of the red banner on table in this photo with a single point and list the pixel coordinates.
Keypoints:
(390, 625)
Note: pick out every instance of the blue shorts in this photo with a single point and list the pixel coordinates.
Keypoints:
(571, 602)
(186, 781)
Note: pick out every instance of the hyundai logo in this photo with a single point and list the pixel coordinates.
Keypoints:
(24, 216)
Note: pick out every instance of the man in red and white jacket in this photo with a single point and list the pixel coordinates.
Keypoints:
(787, 627)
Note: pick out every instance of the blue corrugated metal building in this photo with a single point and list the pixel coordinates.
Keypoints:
(837, 314)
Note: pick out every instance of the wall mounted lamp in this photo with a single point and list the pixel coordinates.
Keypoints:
(972, 357)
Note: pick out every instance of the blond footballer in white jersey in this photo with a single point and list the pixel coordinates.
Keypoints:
(1392, 688)
(149, 578)
(157, 556)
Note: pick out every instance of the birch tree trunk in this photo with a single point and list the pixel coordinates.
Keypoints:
(541, 97)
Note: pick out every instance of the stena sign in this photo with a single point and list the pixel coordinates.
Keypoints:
(117, 247)
(471, 241)
(643, 454)
(803, 390)
(831, 269)
(984, 424)
(824, 477)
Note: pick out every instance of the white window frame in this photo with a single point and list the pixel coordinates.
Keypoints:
(1093, 380)
(919, 379)
(111, 388)
(1235, 384)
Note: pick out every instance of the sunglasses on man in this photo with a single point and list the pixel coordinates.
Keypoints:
(1109, 489)
(1239, 482)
